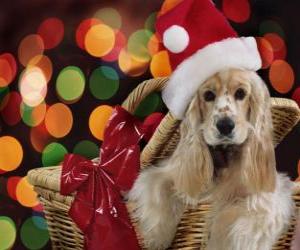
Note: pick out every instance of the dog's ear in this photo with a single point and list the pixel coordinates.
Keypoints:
(259, 156)
(191, 161)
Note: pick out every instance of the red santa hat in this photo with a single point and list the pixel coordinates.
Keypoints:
(200, 43)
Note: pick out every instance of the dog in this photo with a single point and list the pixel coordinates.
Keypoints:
(226, 155)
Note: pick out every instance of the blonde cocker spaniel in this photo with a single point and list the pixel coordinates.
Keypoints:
(225, 155)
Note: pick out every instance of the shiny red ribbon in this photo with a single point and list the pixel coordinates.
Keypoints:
(98, 208)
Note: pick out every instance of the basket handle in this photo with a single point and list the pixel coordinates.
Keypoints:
(166, 127)
(142, 91)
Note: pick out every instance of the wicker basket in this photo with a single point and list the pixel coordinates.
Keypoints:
(192, 231)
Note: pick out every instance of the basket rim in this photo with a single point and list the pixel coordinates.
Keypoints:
(44, 177)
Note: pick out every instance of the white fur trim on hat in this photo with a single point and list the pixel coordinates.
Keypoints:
(241, 53)
(176, 39)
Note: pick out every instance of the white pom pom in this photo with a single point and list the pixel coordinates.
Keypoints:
(176, 39)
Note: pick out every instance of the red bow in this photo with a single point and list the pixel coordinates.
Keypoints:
(98, 208)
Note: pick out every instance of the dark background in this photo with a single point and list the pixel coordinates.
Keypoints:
(19, 18)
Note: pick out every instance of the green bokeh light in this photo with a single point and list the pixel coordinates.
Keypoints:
(53, 154)
(150, 22)
(149, 105)
(7, 232)
(70, 84)
(270, 26)
(87, 149)
(138, 45)
(28, 117)
(3, 92)
(110, 17)
(104, 82)
(32, 236)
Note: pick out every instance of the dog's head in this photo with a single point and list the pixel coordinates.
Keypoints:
(228, 106)
(231, 111)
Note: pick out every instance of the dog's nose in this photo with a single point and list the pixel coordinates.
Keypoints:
(225, 126)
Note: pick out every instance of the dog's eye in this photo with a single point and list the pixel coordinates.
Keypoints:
(209, 96)
(240, 94)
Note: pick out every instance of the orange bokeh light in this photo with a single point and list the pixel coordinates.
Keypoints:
(167, 6)
(278, 45)
(281, 76)
(160, 64)
(30, 46)
(154, 45)
(11, 153)
(44, 64)
(130, 65)
(99, 40)
(35, 116)
(266, 51)
(25, 194)
(59, 120)
(40, 137)
(98, 120)
(83, 28)
(120, 43)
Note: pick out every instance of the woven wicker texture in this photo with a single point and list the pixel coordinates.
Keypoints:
(192, 232)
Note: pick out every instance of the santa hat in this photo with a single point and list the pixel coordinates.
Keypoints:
(200, 43)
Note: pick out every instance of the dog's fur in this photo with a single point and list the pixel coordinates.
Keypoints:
(252, 203)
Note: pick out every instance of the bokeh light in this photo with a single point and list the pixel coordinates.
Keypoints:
(4, 97)
(25, 194)
(33, 86)
(8, 69)
(281, 76)
(296, 95)
(120, 43)
(43, 63)
(236, 10)
(11, 110)
(160, 65)
(87, 149)
(39, 221)
(104, 82)
(11, 153)
(33, 116)
(270, 26)
(168, 5)
(266, 51)
(154, 45)
(32, 235)
(70, 84)
(110, 17)
(149, 105)
(98, 120)
(83, 28)
(53, 154)
(138, 45)
(99, 40)
(11, 186)
(51, 31)
(59, 120)
(8, 232)
(130, 65)
(40, 138)
(150, 22)
(38, 209)
(31, 46)
(278, 45)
